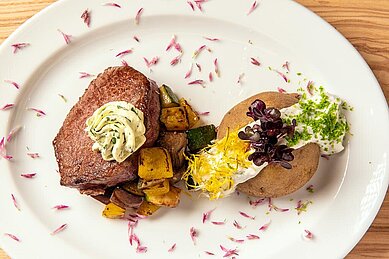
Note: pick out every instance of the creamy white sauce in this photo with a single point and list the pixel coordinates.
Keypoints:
(117, 129)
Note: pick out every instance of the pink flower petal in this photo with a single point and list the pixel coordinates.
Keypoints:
(191, 5)
(212, 39)
(282, 75)
(3, 151)
(203, 113)
(85, 75)
(112, 4)
(237, 225)
(207, 215)
(302, 206)
(216, 64)
(253, 7)
(265, 226)
(286, 66)
(124, 63)
(13, 132)
(19, 46)
(255, 62)
(172, 43)
(39, 113)
(178, 47)
(257, 202)
(198, 67)
(152, 62)
(236, 240)
(199, 4)
(12, 237)
(17, 86)
(210, 76)
(61, 207)
(28, 176)
(15, 202)
(252, 237)
(124, 52)
(228, 252)
(66, 37)
(141, 249)
(136, 38)
(86, 17)
(8, 106)
(176, 60)
(198, 51)
(208, 253)
(309, 234)
(281, 90)
(172, 248)
(219, 222)
(138, 14)
(193, 234)
(59, 229)
(197, 82)
(310, 189)
(246, 215)
(189, 72)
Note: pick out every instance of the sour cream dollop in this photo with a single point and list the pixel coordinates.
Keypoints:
(117, 129)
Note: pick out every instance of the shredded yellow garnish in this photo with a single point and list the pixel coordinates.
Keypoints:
(213, 168)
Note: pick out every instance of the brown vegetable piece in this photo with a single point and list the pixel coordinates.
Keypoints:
(273, 180)
(175, 143)
(125, 199)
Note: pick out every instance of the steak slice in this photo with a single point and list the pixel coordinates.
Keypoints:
(84, 169)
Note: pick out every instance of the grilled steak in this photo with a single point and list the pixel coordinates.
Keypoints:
(79, 166)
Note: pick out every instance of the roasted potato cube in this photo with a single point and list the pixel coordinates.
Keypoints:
(133, 188)
(159, 189)
(147, 208)
(155, 163)
(170, 199)
(175, 118)
(192, 116)
(113, 211)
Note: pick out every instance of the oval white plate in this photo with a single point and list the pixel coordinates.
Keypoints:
(349, 188)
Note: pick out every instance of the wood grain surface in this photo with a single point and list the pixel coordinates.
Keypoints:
(364, 23)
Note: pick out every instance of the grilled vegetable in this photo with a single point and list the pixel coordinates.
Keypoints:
(175, 143)
(113, 211)
(144, 184)
(174, 118)
(159, 189)
(132, 187)
(201, 137)
(170, 199)
(147, 208)
(192, 116)
(155, 163)
(125, 199)
(168, 97)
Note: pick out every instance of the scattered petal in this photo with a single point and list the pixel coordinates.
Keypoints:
(326, 157)
(203, 113)
(197, 82)
(210, 76)
(85, 75)
(309, 234)
(178, 47)
(39, 113)
(208, 253)
(18, 46)
(253, 7)
(12, 237)
(189, 72)
(257, 202)
(193, 234)
(172, 43)
(61, 207)
(191, 5)
(28, 176)
(207, 215)
(198, 67)
(12, 133)
(229, 252)
(198, 51)
(7, 107)
(17, 86)
(66, 37)
(15, 202)
(138, 14)
(265, 227)
(3, 151)
(33, 155)
(124, 63)
(172, 248)
(59, 229)
(236, 240)
(237, 225)
(282, 75)
(112, 4)
(152, 62)
(63, 98)
(176, 60)
(272, 206)
(212, 39)
(124, 52)
(86, 17)
(251, 237)
(286, 66)
(302, 206)
(216, 64)
(141, 249)
(199, 4)
(219, 222)
(246, 215)
(281, 90)
(136, 38)
(310, 189)
(255, 62)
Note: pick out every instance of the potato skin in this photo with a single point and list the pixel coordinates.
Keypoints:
(274, 180)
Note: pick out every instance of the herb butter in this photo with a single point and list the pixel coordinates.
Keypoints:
(117, 129)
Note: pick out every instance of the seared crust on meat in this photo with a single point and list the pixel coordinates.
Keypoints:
(79, 166)
(273, 180)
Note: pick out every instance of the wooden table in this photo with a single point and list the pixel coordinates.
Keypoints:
(365, 24)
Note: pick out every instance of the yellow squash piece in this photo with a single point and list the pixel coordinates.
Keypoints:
(170, 199)
(192, 116)
(159, 189)
(155, 163)
(174, 118)
(147, 209)
(113, 211)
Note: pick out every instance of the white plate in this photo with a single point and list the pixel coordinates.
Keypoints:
(349, 188)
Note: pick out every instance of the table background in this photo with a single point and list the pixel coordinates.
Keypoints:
(365, 23)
